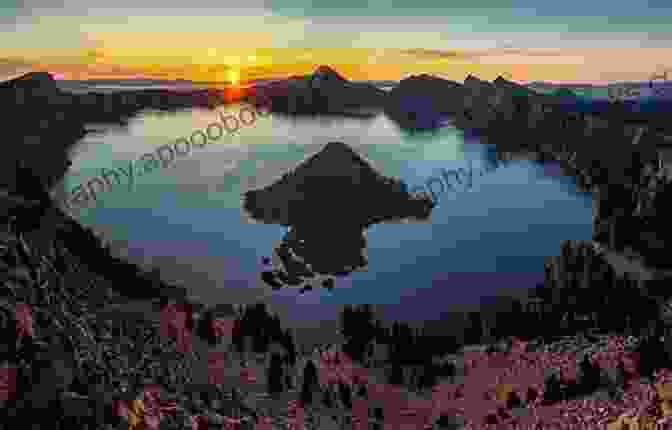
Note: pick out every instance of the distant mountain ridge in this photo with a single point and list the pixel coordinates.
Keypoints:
(129, 81)
(41, 82)
(324, 91)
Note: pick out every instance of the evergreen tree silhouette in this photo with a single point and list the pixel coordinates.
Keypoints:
(327, 400)
(274, 329)
(237, 336)
(359, 329)
(428, 377)
(288, 381)
(405, 345)
(552, 389)
(288, 343)
(590, 375)
(260, 341)
(275, 375)
(396, 373)
(309, 381)
(474, 331)
(448, 369)
(651, 352)
(362, 391)
(347, 321)
(306, 395)
(356, 349)
(345, 394)
(514, 319)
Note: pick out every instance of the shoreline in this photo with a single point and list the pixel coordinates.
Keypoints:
(567, 160)
(90, 269)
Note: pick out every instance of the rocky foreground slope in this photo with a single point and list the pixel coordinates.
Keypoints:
(93, 348)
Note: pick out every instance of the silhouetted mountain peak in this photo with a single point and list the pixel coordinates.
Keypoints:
(335, 159)
(513, 87)
(424, 77)
(501, 81)
(36, 77)
(41, 80)
(327, 73)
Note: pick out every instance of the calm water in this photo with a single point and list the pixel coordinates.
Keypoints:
(186, 219)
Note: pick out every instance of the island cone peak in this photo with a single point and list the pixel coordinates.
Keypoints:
(328, 201)
(336, 158)
(337, 168)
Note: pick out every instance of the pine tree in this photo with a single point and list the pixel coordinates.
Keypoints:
(291, 348)
(237, 338)
(474, 331)
(552, 389)
(327, 401)
(288, 381)
(346, 317)
(590, 375)
(275, 329)
(345, 394)
(260, 341)
(396, 373)
(651, 352)
(275, 375)
(306, 395)
(309, 381)
(362, 391)
(428, 376)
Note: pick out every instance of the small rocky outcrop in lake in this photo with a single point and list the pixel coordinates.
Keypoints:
(322, 92)
(328, 201)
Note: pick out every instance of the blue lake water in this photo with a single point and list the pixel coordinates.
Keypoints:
(186, 219)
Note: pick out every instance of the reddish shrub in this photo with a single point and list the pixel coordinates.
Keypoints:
(7, 382)
(24, 320)
(177, 322)
(216, 367)
(263, 423)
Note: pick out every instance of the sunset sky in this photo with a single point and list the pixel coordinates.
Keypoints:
(235, 40)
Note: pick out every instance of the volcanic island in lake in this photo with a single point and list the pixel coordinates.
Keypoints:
(327, 202)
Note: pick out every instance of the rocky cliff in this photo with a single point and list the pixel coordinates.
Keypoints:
(612, 152)
(89, 330)
(41, 121)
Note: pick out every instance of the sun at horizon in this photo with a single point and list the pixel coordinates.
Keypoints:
(233, 76)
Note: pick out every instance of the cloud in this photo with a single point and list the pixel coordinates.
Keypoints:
(435, 54)
(10, 68)
(528, 52)
(478, 54)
